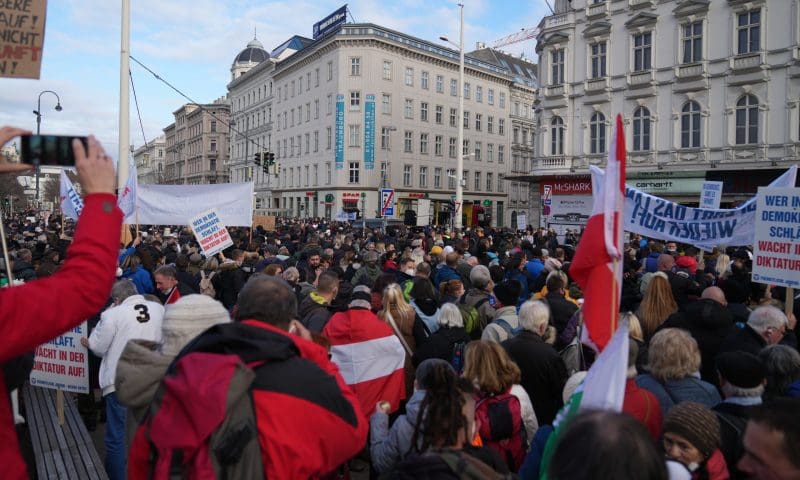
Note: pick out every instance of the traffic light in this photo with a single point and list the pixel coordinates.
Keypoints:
(265, 168)
(258, 158)
(271, 158)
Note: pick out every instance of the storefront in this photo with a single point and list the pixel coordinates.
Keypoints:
(351, 203)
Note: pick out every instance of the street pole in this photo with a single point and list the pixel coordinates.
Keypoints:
(38, 113)
(124, 95)
(460, 147)
(386, 175)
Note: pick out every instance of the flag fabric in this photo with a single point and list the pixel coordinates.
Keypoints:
(602, 389)
(127, 196)
(597, 265)
(369, 356)
(71, 201)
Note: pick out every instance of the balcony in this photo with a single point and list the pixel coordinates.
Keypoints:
(559, 20)
(690, 71)
(747, 62)
(640, 79)
(597, 9)
(641, 3)
(596, 85)
(555, 90)
(560, 163)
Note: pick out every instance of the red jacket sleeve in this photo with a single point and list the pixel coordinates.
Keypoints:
(40, 310)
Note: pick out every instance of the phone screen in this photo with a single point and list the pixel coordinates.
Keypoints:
(55, 150)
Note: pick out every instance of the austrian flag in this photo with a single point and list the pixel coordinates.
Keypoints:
(597, 266)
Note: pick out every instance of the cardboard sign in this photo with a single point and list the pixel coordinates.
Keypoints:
(776, 249)
(522, 221)
(210, 232)
(711, 195)
(267, 222)
(22, 38)
(63, 363)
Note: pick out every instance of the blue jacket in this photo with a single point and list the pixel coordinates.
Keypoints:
(651, 262)
(141, 278)
(517, 275)
(534, 268)
(445, 274)
(675, 391)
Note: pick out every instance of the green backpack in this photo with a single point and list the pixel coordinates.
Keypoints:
(472, 319)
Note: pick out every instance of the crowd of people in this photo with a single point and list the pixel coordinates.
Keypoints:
(320, 349)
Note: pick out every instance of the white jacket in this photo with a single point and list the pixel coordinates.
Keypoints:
(528, 415)
(134, 318)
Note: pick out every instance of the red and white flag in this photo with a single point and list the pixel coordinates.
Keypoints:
(369, 356)
(594, 266)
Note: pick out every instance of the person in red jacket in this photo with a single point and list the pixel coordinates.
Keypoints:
(639, 403)
(80, 288)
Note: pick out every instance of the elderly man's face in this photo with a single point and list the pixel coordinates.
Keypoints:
(164, 283)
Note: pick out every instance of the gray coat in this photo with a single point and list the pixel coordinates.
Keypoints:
(388, 446)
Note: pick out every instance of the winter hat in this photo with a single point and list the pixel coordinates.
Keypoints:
(696, 423)
(741, 369)
(416, 243)
(196, 259)
(436, 250)
(370, 256)
(507, 292)
(688, 263)
(552, 264)
(449, 249)
(361, 297)
(188, 318)
(425, 368)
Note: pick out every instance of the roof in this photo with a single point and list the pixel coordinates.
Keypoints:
(523, 71)
(253, 53)
(295, 43)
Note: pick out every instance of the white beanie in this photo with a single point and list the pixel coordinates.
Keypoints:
(187, 318)
(572, 384)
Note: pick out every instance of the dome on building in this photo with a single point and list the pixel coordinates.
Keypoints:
(254, 53)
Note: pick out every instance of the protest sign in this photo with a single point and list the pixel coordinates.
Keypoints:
(173, 204)
(776, 249)
(711, 195)
(210, 232)
(267, 222)
(522, 221)
(22, 38)
(63, 363)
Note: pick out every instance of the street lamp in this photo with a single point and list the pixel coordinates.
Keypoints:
(457, 223)
(38, 113)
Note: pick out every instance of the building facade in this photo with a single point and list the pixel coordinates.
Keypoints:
(149, 161)
(367, 107)
(704, 92)
(197, 144)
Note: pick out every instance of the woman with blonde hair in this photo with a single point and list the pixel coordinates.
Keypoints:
(496, 377)
(673, 360)
(657, 305)
(400, 316)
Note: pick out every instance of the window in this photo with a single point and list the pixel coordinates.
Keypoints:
(515, 135)
(355, 100)
(308, 143)
(408, 112)
(384, 174)
(598, 59)
(453, 117)
(478, 118)
(642, 51)
(466, 119)
(501, 126)
(501, 182)
(423, 111)
(502, 100)
(466, 90)
(641, 129)
(747, 120)
(328, 137)
(300, 85)
(355, 135)
(557, 67)
(330, 72)
(307, 175)
(213, 126)
(387, 70)
(423, 143)
(453, 87)
(293, 84)
(490, 97)
(316, 78)
(437, 145)
(407, 175)
(355, 66)
(386, 138)
(316, 175)
(439, 84)
(316, 109)
(478, 181)
(409, 77)
(514, 162)
(308, 112)
(451, 178)
(465, 148)
(407, 141)
(490, 124)
(690, 125)
(308, 81)
(693, 42)
(423, 177)
(464, 178)
(556, 136)
(330, 105)
(597, 133)
(437, 177)
(515, 109)
(451, 148)
(386, 104)
(439, 114)
(490, 152)
(213, 146)
(354, 172)
(479, 94)
(316, 141)
(478, 149)
(748, 30)
(327, 173)
(489, 181)
(424, 80)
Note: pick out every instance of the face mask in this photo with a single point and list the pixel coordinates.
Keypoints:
(356, 266)
(410, 272)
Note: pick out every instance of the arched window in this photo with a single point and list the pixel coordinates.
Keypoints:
(690, 125)
(641, 129)
(557, 136)
(597, 133)
(747, 120)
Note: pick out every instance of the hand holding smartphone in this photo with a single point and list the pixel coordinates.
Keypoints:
(50, 150)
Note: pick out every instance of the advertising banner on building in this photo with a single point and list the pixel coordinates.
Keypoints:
(339, 132)
(174, 204)
(63, 363)
(329, 23)
(210, 232)
(776, 249)
(369, 133)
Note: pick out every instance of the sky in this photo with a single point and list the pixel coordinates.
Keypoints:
(191, 44)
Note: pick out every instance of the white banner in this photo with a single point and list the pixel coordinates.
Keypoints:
(126, 199)
(63, 363)
(712, 194)
(174, 204)
(776, 250)
(704, 228)
(71, 202)
(210, 233)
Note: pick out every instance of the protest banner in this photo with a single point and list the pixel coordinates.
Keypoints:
(22, 38)
(267, 222)
(63, 363)
(210, 232)
(776, 249)
(711, 195)
(173, 204)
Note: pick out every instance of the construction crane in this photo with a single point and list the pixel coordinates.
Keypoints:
(521, 36)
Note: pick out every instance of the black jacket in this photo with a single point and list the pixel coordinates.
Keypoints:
(23, 270)
(543, 373)
(561, 310)
(313, 315)
(682, 288)
(745, 339)
(440, 345)
(191, 281)
(228, 282)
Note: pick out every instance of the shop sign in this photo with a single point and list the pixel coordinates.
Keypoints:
(487, 203)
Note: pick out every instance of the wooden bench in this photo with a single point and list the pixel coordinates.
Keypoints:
(62, 451)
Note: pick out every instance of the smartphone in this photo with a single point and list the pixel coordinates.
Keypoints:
(53, 150)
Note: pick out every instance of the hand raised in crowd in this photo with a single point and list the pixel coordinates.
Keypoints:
(6, 134)
(95, 169)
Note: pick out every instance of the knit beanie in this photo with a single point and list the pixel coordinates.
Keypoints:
(187, 318)
(361, 297)
(696, 423)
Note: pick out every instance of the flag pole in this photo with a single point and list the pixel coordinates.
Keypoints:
(137, 216)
